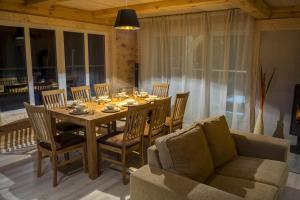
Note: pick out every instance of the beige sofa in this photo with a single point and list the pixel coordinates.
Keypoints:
(255, 169)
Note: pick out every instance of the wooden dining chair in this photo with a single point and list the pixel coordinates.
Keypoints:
(156, 127)
(101, 89)
(130, 140)
(57, 99)
(160, 89)
(175, 121)
(81, 93)
(52, 145)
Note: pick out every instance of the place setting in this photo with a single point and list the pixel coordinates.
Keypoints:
(111, 108)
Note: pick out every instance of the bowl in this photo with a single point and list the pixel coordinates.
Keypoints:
(143, 94)
(110, 106)
(130, 101)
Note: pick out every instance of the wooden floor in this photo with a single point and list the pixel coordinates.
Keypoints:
(18, 181)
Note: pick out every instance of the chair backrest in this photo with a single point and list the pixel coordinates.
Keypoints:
(135, 122)
(179, 106)
(160, 89)
(8, 81)
(101, 89)
(160, 111)
(54, 98)
(40, 121)
(81, 93)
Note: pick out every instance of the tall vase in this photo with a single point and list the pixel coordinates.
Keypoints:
(259, 124)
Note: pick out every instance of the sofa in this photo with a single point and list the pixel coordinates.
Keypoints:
(208, 161)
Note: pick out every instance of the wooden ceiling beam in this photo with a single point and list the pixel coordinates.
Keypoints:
(286, 12)
(256, 8)
(161, 6)
(60, 12)
(42, 2)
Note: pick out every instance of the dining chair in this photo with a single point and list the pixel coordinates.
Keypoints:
(52, 145)
(175, 121)
(130, 140)
(101, 89)
(160, 89)
(57, 99)
(156, 127)
(81, 93)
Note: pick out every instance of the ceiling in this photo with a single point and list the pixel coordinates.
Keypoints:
(92, 5)
(105, 11)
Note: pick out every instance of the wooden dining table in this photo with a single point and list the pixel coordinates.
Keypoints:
(90, 121)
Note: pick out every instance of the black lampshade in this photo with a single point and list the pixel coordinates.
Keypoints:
(127, 19)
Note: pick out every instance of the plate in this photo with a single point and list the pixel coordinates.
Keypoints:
(124, 104)
(76, 112)
(116, 109)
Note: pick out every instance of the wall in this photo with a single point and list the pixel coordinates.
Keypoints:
(126, 57)
(280, 50)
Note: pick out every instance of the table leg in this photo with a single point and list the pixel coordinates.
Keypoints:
(92, 151)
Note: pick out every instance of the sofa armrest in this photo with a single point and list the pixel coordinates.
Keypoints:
(148, 183)
(260, 146)
(153, 157)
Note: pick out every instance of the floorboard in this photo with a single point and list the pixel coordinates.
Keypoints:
(18, 181)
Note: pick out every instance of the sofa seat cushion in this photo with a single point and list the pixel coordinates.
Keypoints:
(262, 170)
(186, 152)
(220, 141)
(244, 188)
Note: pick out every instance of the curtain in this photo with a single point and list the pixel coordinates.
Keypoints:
(208, 54)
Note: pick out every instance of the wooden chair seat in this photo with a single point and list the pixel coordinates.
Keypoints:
(169, 121)
(154, 132)
(67, 126)
(117, 140)
(64, 140)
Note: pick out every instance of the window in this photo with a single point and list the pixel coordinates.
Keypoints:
(74, 60)
(44, 67)
(96, 60)
(13, 72)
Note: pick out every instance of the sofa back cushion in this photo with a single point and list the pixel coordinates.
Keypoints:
(220, 141)
(186, 152)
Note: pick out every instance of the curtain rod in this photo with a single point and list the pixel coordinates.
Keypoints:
(190, 13)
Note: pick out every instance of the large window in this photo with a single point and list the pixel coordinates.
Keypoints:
(13, 73)
(96, 60)
(81, 52)
(74, 60)
(44, 66)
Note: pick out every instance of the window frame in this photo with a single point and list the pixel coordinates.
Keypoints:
(59, 49)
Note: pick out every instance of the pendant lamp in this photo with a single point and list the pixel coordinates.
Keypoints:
(127, 19)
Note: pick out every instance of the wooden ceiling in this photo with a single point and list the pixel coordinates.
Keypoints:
(104, 11)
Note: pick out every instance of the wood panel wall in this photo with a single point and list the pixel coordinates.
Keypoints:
(126, 57)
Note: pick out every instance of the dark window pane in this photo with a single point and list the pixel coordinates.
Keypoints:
(96, 60)
(74, 60)
(13, 74)
(44, 67)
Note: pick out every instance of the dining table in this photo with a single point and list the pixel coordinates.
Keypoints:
(95, 117)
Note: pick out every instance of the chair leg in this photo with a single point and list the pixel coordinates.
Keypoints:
(84, 158)
(142, 154)
(39, 163)
(54, 168)
(67, 156)
(99, 159)
(124, 167)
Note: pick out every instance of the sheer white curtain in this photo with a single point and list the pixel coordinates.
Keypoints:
(208, 54)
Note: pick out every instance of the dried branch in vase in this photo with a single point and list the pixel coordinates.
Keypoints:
(263, 88)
